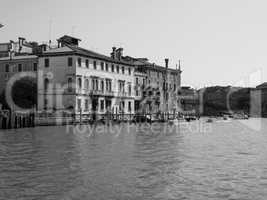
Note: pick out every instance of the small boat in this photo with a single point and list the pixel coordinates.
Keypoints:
(225, 117)
(209, 120)
(190, 118)
(241, 116)
(176, 121)
(173, 122)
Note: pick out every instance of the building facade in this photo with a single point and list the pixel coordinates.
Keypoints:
(84, 81)
(259, 95)
(17, 60)
(10, 66)
(156, 85)
(189, 100)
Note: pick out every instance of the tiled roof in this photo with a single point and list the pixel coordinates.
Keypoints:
(263, 85)
(18, 57)
(152, 65)
(84, 52)
(67, 36)
(59, 50)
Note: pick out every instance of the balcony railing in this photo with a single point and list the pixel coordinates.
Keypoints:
(125, 94)
(109, 93)
(101, 92)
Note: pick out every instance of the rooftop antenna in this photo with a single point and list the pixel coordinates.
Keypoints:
(50, 32)
(73, 30)
(179, 65)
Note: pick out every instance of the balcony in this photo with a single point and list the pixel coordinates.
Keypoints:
(96, 92)
(125, 94)
(101, 93)
(122, 94)
(109, 93)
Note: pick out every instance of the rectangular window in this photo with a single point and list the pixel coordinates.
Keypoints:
(47, 62)
(119, 86)
(19, 67)
(45, 103)
(34, 66)
(110, 86)
(79, 62)
(107, 85)
(102, 85)
(102, 105)
(112, 68)
(93, 84)
(122, 70)
(129, 106)
(118, 69)
(129, 71)
(79, 104)
(136, 80)
(86, 105)
(7, 67)
(129, 90)
(107, 67)
(102, 66)
(96, 84)
(70, 61)
(87, 63)
(136, 92)
(94, 64)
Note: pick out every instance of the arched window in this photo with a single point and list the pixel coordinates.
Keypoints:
(46, 84)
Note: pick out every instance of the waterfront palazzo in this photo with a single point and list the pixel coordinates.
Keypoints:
(73, 78)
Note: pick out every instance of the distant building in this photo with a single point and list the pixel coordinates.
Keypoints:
(9, 67)
(5, 49)
(17, 57)
(189, 100)
(262, 91)
(20, 47)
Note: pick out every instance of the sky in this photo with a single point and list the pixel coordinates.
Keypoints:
(219, 42)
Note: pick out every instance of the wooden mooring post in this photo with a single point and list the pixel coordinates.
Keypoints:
(10, 120)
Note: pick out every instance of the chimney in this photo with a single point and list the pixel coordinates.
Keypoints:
(166, 62)
(120, 53)
(113, 53)
(21, 43)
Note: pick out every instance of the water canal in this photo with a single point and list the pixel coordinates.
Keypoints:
(220, 160)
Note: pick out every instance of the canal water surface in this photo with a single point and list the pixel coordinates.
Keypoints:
(219, 160)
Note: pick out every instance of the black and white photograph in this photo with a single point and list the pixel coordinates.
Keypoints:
(133, 100)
